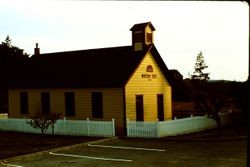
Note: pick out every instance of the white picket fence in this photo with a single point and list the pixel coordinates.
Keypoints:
(173, 127)
(64, 127)
(141, 129)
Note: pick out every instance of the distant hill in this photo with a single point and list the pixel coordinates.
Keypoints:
(222, 81)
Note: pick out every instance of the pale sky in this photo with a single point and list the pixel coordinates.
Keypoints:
(217, 28)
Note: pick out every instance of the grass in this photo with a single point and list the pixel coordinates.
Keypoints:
(16, 143)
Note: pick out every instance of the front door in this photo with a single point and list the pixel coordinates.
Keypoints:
(139, 108)
(160, 107)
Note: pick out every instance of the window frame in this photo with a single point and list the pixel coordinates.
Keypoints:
(45, 103)
(24, 103)
(149, 68)
(97, 104)
(69, 101)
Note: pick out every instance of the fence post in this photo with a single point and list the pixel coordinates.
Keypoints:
(64, 125)
(23, 126)
(192, 121)
(157, 128)
(113, 126)
(88, 126)
(8, 124)
(128, 127)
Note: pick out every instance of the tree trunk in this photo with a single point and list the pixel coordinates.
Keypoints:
(52, 126)
(42, 137)
(218, 125)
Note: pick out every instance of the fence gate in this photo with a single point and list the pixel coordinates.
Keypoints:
(141, 129)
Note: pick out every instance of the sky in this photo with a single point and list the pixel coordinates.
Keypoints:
(219, 29)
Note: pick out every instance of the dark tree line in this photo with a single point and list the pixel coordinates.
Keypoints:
(209, 97)
(11, 55)
(12, 59)
(199, 88)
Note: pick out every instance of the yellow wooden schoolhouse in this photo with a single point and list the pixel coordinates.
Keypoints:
(129, 82)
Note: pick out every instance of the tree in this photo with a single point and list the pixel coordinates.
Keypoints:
(53, 118)
(43, 121)
(198, 81)
(180, 90)
(215, 105)
(10, 54)
(200, 65)
(40, 121)
(12, 61)
(7, 41)
(204, 101)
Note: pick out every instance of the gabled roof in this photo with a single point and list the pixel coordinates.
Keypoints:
(105, 67)
(142, 26)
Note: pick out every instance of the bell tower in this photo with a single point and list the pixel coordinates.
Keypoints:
(142, 36)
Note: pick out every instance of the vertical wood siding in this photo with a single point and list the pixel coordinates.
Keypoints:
(149, 88)
(112, 103)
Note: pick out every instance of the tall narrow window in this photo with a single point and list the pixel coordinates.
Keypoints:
(139, 108)
(24, 103)
(149, 37)
(97, 105)
(160, 107)
(69, 103)
(45, 100)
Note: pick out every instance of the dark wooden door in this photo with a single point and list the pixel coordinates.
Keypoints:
(160, 107)
(139, 108)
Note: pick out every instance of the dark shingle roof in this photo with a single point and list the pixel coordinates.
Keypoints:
(106, 67)
(142, 26)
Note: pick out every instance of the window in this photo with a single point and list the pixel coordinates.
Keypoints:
(149, 68)
(138, 36)
(24, 102)
(149, 37)
(45, 100)
(69, 103)
(139, 108)
(97, 105)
